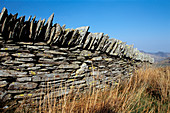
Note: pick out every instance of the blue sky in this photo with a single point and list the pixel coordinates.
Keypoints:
(144, 23)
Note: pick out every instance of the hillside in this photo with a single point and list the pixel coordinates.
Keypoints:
(158, 56)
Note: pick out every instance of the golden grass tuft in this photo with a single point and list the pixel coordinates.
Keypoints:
(147, 91)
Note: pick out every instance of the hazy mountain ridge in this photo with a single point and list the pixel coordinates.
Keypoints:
(158, 56)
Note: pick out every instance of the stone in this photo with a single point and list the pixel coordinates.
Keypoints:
(38, 29)
(67, 37)
(87, 41)
(59, 58)
(31, 27)
(55, 52)
(86, 53)
(48, 24)
(73, 38)
(69, 66)
(24, 55)
(58, 33)
(112, 41)
(83, 69)
(51, 35)
(22, 86)
(97, 41)
(25, 59)
(114, 48)
(97, 58)
(3, 84)
(4, 13)
(24, 79)
(82, 33)
(27, 65)
(4, 54)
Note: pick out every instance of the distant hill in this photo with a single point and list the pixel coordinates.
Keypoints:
(158, 56)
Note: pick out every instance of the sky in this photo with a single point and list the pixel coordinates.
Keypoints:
(144, 23)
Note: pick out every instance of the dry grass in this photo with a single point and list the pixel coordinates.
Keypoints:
(147, 91)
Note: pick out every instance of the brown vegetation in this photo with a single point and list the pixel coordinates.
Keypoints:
(147, 91)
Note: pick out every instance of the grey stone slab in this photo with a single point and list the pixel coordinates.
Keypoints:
(31, 27)
(55, 52)
(67, 36)
(4, 54)
(4, 13)
(82, 33)
(38, 27)
(114, 48)
(58, 33)
(24, 55)
(97, 41)
(86, 53)
(112, 41)
(97, 58)
(73, 37)
(48, 24)
(3, 84)
(4, 25)
(25, 59)
(24, 79)
(22, 86)
(51, 35)
(69, 66)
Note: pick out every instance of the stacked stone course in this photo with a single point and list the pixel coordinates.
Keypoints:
(37, 54)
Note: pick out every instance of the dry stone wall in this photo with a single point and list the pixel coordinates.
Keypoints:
(37, 55)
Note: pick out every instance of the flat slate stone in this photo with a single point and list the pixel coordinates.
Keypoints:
(49, 24)
(25, 55)
(55, 52)
(22, 86)
(86, 53)
(69, 66)
(25, 59)
(4, 54)
(24, 79)
(45, 55)
(97, 58)
(3, 84)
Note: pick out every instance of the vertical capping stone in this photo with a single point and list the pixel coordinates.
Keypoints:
(122, 49)
(14, 30)
(97, 40)
(29, 18)
(38, 29)
(74, 37)
(117, 50)
(114, 47)
(88, 39)
(49, 24)
(102, 43)
(4, 13)
(51, 35)
(112, 41)
(22, 31)
(58, 33)
(41, 27)
(31, 27)
(67, 36)
(4, 25)
(82, 31)
(22, 19)
(93, 38)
